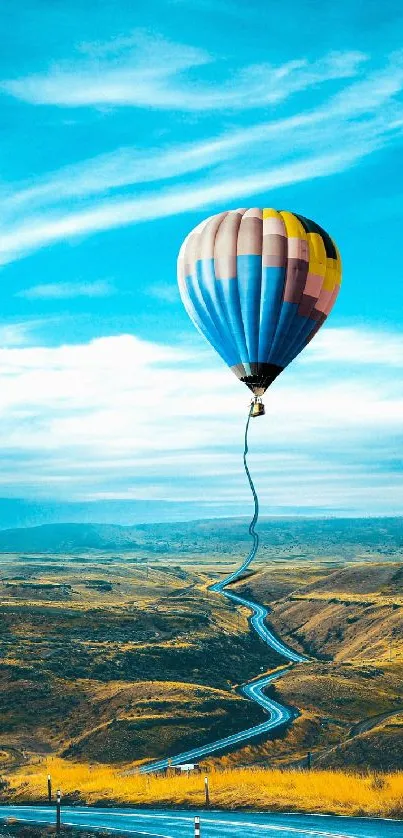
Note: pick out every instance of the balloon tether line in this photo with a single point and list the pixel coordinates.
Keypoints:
(219, 586)
(252, 531)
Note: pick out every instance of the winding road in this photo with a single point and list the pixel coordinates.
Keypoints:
(158, 823)
(278, 714)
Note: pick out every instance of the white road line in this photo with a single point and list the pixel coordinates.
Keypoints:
(207, 819)
(96, 826)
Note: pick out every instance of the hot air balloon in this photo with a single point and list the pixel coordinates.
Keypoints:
(258, 284)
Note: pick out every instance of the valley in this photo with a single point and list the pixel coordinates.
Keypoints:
(115, 661)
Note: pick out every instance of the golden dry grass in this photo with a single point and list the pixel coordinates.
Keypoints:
(315, 791)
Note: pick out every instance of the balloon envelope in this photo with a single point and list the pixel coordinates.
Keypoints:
(258, 283)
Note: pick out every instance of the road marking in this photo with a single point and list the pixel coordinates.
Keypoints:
(96, 826)
(217, 822)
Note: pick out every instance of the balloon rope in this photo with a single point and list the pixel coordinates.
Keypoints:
(219, 586)
(252, 531)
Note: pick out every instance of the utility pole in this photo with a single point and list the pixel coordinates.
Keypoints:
(206, 793)
(58, 812)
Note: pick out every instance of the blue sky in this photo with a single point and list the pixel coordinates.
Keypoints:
(122, 126)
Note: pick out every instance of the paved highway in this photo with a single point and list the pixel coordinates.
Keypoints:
(179, 824)
(259, 614)
(278, 714)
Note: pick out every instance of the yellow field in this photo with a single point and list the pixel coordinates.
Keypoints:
(318, 791)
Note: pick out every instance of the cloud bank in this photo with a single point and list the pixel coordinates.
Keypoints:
(120, 418)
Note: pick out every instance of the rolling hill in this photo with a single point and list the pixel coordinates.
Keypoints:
(298, 539)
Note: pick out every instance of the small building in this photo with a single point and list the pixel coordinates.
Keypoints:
(188, 767)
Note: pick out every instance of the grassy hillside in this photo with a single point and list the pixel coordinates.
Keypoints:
(352, 619)
(119, 656)
(126, 722)
(352, 613)
(300, 539)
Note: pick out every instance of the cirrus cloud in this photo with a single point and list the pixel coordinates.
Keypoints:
(144, 71)
(68, 290)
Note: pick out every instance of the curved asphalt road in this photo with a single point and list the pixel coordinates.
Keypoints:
(258, 622)
(278, 714)
(179, 824)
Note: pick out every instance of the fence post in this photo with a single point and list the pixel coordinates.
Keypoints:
(309, 760)
(49, 788)
(58, 812)
(197, 827)
(206, 792)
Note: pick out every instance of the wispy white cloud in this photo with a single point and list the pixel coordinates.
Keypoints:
(129, 166)
(142, 71)
(68, 290)
(233, 166)
(108, 419)
(14, 334)
(40, 231)
(23, 332)
(133, 166)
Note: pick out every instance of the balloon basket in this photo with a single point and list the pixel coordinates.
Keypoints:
(257, 408)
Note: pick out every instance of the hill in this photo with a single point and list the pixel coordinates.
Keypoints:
(118, 663)
(351, 621)
(300, 539)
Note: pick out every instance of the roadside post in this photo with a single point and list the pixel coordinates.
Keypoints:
(49, 789)
(197, 827)
(58, 812)
(206, 793)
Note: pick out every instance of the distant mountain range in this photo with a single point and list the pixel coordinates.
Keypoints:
(33, 512)
(25, 512)
(302, 538)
